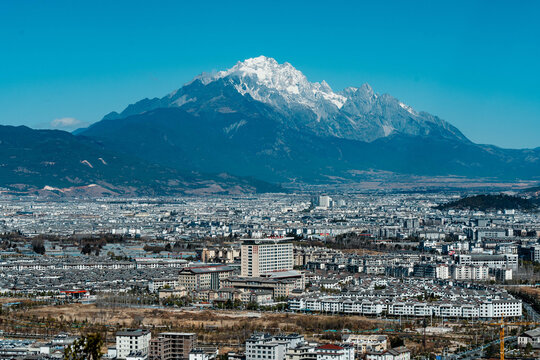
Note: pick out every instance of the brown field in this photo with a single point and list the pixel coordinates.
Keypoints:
(531, 291)
(6, 300)
(226, 328)
(195, 320)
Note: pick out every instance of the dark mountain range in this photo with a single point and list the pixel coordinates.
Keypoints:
(58, 163)
(264, 119)
(259, 120)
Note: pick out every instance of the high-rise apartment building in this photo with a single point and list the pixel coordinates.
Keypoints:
(260, 256)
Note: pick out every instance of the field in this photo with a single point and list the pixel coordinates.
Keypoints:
(226, 330)
(531, 291)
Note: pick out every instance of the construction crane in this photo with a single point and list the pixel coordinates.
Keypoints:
(502, 324)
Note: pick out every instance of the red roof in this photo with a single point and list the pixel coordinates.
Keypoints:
(330, 347)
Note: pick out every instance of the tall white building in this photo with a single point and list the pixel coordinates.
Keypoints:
(442, 271)
(132, 342)
(261, 256)
(325, 201)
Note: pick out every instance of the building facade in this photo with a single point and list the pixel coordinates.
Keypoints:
(172, 346)
(132, 342)
(203, 277)
(260, 256)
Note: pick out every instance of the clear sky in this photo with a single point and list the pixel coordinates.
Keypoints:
(476, 64)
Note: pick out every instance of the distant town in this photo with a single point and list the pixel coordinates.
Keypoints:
(268, 277)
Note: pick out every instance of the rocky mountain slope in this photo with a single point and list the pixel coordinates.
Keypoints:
(51, 162)
(265, 119)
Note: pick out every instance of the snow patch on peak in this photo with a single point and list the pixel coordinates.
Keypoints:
(409, 109)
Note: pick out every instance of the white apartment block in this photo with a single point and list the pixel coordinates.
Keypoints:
(132, 341)
(487, 309)
(465, 272)
(442, 271)
(260, 256)
(505, 261)
(155, 284)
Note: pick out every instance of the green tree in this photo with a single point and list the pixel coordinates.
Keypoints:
(88, 347)
(492, 351)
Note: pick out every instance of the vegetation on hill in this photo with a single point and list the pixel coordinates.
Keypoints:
(489, 202)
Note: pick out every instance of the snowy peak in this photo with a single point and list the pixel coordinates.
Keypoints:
(356, 113)
(263, 78)
(266, 71)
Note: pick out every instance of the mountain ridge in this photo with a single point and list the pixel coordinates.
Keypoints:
(249, 121)
(354, 113)
(260, 120)
(54, 161)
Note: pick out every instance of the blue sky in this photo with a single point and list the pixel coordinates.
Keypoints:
(473, 63)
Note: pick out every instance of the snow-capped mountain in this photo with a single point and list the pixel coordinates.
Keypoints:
(265, 119)
(354, 113)
(277, 84)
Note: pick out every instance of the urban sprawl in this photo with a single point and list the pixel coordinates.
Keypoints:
(276, 276)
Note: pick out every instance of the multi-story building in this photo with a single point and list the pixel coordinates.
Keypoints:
(172, 346)
(442, 271)
(203, 277)
(155, 284)
(489, 233)
(499, 308)
(464, 272)
(530, 253)
(491, 261)
(335, 352)
(132, 342)
(399, 353)
(425, 270)
(486, 309)
(268, 347)
(281, 283)
(365, 343)
(530, 337)
(301, 352)
(260, 256)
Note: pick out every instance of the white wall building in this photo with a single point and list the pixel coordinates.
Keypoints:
(132, 341)
(260, 256)
(268, 347)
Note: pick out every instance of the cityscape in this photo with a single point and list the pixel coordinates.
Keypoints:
(384, 276)
(255, 180)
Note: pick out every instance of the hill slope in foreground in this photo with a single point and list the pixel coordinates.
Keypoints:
(57, 163)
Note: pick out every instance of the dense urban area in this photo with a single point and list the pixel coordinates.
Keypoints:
(377, 276)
